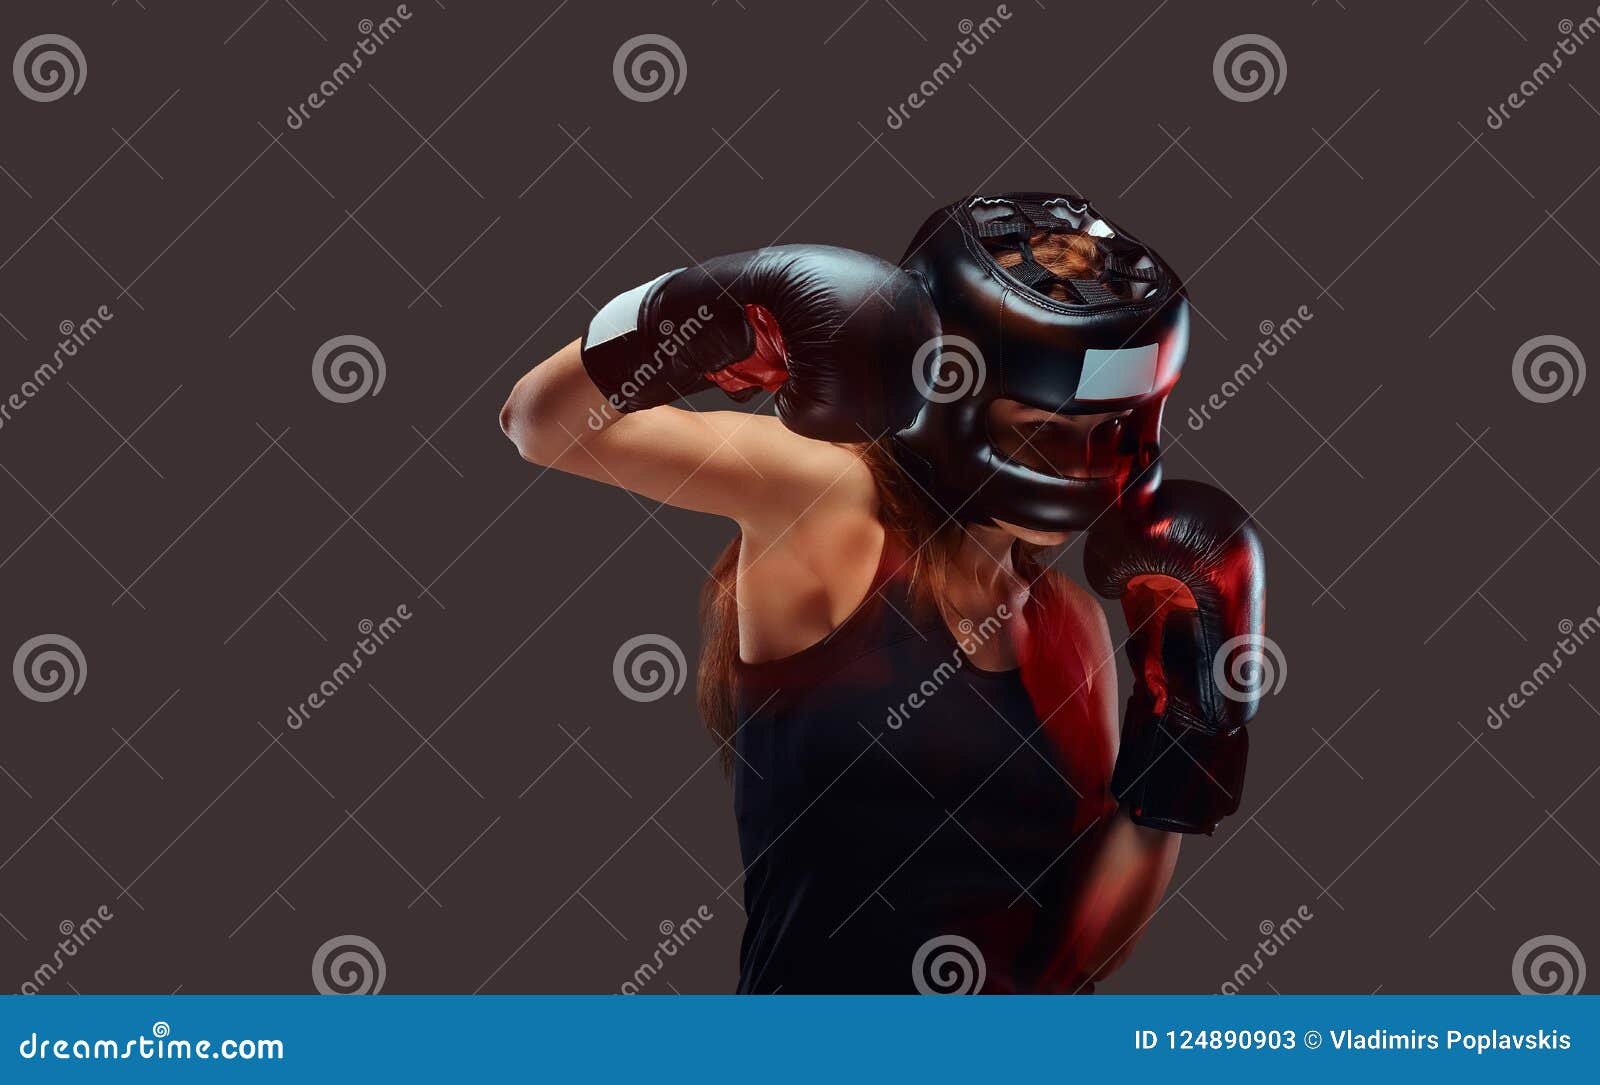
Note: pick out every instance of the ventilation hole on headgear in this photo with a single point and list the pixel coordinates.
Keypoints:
(1059, 209)
(1136, 289)
(1069, 255)
(989, 212)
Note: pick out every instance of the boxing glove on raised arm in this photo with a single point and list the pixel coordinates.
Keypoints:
(832, 331)
(1189, 570)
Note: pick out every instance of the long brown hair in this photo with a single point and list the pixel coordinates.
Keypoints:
(928, 539)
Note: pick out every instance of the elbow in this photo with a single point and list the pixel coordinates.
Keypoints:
(515, 423)
(538, 438)
(508, 417)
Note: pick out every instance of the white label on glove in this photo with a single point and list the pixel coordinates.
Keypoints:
(620, 315)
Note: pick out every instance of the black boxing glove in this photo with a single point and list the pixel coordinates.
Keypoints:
(833, 332)
(1188, 567)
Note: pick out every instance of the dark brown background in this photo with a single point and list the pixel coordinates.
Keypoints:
(441, 206)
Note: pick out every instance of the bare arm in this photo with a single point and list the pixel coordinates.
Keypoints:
(1131, 866)
(806, 509)
(742, 466)
(1121, 890)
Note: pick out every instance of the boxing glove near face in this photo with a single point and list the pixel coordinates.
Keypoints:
(833, 332)
(1189, 570)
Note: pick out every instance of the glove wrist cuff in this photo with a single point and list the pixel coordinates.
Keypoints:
(1175, 776)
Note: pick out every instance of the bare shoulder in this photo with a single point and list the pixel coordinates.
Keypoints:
(796, 587)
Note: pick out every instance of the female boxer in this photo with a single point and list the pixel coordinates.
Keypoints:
(918, 716)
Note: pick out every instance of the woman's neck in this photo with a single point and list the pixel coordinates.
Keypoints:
(984, 559)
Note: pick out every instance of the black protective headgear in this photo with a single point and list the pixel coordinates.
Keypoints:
(1117, 344)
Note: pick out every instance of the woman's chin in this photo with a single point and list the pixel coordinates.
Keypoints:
(1032, 537)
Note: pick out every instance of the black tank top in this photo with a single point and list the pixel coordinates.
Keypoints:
(893, 798)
